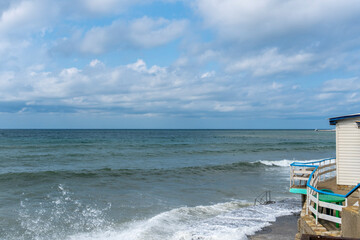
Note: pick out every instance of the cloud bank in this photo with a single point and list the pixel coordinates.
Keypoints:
(180, 59)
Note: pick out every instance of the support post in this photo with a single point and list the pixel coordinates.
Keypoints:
(269, 196)
(317, 207)
(307, 201)
(303, 200)
(359, 199)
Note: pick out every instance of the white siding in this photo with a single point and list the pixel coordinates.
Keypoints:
(348, 152)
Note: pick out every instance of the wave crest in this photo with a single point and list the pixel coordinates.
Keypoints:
(84, 173)
(231, 220)
(282, 163)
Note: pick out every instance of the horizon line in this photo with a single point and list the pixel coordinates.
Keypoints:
(167, 129)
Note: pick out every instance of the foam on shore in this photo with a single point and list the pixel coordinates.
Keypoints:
(282, 163)
(232, 220)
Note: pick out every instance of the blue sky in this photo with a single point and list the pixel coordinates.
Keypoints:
(178, 64)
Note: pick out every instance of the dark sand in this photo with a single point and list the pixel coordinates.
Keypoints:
(284, 228)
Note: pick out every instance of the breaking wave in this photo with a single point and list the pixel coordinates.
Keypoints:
(232, 220)
(63, 217)
(282, 163)
(238, 166)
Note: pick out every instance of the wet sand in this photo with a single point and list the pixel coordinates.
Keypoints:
(284, 228)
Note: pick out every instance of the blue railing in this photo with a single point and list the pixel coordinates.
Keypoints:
(309, 164)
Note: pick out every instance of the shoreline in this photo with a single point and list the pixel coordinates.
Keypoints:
(284, 228)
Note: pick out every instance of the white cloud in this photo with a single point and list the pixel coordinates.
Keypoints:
(340, 93)
(342, 85)
(353, 97)
(140, 33)
(266, 37)
(95, 63)
(69, 72)
(224, 107)
(6, 79)
(26, 17)
(276, 85)
(325, 96)
(139, 66)
(139, 89)
(147, 32)
(104, 6)
(254, 19)
(135, 89)
(271, 62)
(23, 24)
(207, 74)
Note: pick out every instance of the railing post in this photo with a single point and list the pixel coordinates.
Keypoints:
(291, 176)
(266, 196)
(269, 196)
(359, 198)
(317, 207)
(307, 200)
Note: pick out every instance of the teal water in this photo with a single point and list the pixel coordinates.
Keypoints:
(148, 184)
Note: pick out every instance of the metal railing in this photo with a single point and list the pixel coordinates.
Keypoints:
(301, 171)
(263, 198)
(309, 174)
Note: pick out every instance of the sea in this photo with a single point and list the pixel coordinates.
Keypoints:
(148, 184)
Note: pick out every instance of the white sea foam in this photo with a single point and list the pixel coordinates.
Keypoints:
(51, 218)
(232, 220)
(282, 163)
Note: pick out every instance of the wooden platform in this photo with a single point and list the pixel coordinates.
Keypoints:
(331, 184)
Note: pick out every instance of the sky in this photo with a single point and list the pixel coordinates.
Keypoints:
(178, 64)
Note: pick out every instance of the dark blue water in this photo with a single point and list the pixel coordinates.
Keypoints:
(147, 184)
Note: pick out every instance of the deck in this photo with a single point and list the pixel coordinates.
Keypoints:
(331, 184)
(323, 199)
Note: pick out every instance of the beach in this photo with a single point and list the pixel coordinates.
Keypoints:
(284, 228)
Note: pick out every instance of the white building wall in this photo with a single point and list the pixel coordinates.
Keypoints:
(348, 152)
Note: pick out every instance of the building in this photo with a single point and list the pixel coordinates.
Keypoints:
(347, 149)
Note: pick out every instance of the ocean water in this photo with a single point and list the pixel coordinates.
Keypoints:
(148, 184)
